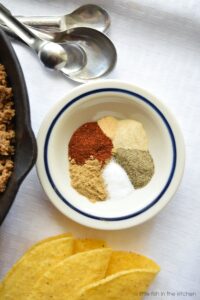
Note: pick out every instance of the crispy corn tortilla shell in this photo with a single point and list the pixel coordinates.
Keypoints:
(52, 238)
(21, 278)
(34, 247)
(40, 272)
(34, 257)
(82, 245)
(121, 261)
(70, 275)
(125, 285)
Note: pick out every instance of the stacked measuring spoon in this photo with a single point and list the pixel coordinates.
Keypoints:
(74, 44)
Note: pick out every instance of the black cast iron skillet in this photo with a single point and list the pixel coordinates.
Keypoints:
(25, 148)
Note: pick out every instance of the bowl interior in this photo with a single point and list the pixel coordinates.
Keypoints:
(91, 108)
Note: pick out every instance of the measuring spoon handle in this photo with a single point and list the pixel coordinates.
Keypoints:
(19, 29)
(37, 21)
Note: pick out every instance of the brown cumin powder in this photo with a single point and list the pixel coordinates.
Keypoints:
(87, 179)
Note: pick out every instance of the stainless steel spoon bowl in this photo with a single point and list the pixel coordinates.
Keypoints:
(100, 51)
(89, 15)
(52, 55)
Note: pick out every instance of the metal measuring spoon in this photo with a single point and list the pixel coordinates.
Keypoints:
(52, 55)
(100, 51)
(89, 15)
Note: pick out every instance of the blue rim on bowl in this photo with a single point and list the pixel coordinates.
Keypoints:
(121, 221)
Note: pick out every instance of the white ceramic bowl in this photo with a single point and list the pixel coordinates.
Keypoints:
(90, 102)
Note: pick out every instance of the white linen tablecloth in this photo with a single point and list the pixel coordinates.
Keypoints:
(158, 45)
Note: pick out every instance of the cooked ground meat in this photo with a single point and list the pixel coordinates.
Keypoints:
(2, 76)
(7, 134)
(6, 141)
(6, 113)
(6, 167)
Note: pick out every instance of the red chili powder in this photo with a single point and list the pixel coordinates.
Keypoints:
(90, 141)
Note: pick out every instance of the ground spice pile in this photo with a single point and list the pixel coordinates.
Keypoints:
(87, 179)
(89, 150)
(138, 165)
(109, 126)
(130, 134)
(89, 141)
(7, 134)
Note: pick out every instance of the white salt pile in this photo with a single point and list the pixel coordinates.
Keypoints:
(117, 181)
